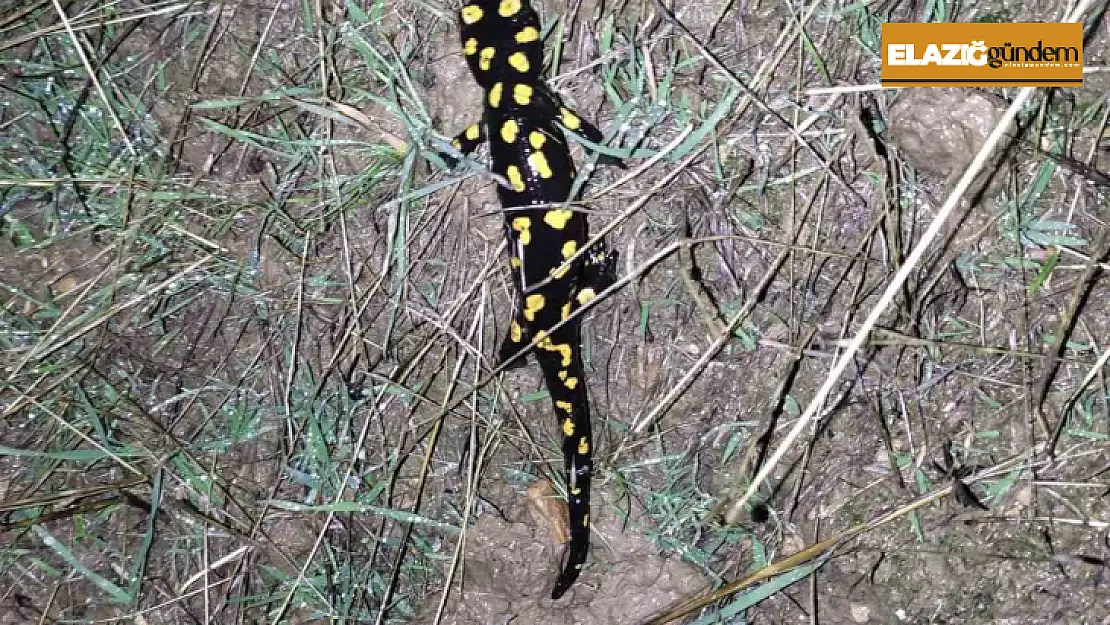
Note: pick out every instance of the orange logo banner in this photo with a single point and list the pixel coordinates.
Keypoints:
(986, 54)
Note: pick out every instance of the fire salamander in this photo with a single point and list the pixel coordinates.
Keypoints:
(524, 124)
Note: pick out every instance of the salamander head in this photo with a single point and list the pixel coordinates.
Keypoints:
(501, 41)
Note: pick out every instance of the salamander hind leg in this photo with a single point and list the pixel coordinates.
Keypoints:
(599, 272)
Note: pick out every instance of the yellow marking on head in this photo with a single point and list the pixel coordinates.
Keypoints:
(522, 225)
(571, 383)
(558, 218)
(586, 295)
(509, 131)
(566, 311)
(514, 262)
(532, 305)
(516, 333)
(472, 132)
(568, 426)
(508, 8)
(512, 172)
(519, 62)
(522, 94)
(455, 143)
(485, 57)
(564, 405)
(470, 48)
(576, 491)
(528, 34)
(537, 139)
(570, 120)
(569, 248)
(495, 95)
(583, 446)
(538, 162)
(471, 14)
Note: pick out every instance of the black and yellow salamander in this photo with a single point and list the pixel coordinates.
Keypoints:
(524, 124)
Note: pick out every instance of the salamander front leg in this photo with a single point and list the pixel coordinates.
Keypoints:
(552, 107)
(466, 142)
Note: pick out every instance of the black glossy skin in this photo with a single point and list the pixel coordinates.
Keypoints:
(523, 123)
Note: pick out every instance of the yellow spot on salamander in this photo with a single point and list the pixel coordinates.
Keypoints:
(455, 143)
(522, 94)
(585, 523)
(565, 351)
(509, 131)
(541, 339)
(471, 14)
(564, 405)
(485, 57)
(583, 446)
(538, 162)
(571, 383)
(570, 120)
(508, 8)
(536, 139)
(568, 426)
(563, 374)
(516, 333)
(532, 305)
(523, 225)
(586, 295)
(569, 248)
(528, 34)
(514, 262)
(559, 272)
(495, 95)
(565, 313)
(519, 62)
(512, 172)
(472, 132)
(576, 491)
(470, 48)
(558, 218)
